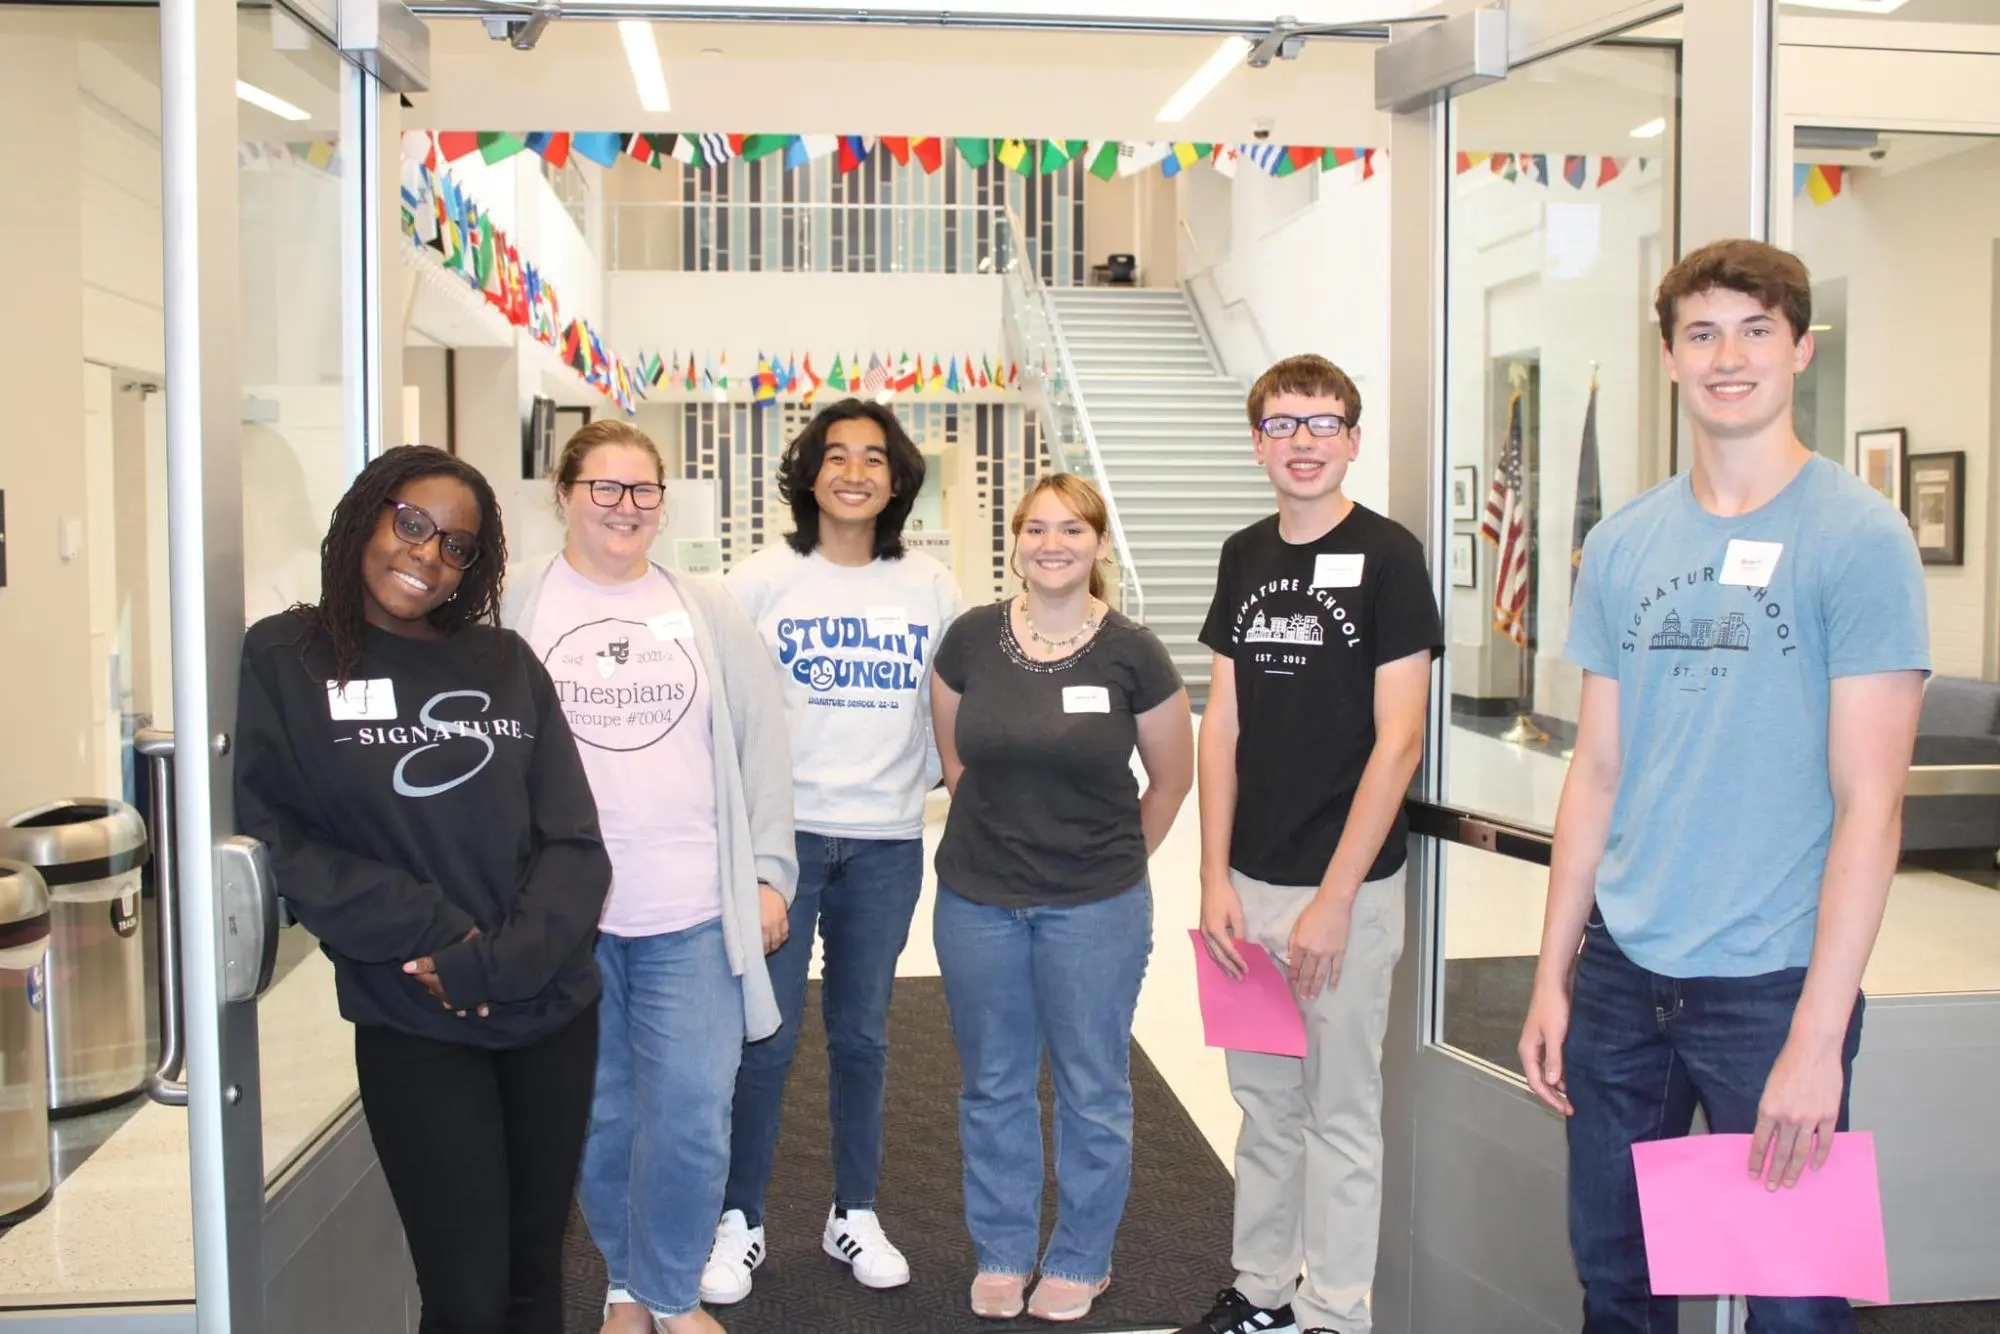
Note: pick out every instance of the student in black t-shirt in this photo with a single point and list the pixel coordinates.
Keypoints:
(407, 765)
(1324, 628)
(1044, 917)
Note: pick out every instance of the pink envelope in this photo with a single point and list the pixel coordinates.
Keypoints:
(1713, 1229)
(1255, 1014)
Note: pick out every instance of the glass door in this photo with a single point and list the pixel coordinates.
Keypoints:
(175, 263)
(1531, 220)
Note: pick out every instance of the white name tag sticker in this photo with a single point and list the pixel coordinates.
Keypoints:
(362, 701)
(888, 620)
(1751, 564)
(1086, 699)
(671, 625)
(1338, 569)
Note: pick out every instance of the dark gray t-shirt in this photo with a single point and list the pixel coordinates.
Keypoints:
(1047, 810)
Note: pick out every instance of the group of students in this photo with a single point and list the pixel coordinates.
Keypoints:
(570, 871)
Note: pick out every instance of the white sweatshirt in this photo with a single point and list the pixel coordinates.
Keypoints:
(853, 648)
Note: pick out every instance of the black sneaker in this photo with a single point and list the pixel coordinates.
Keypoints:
(1236, 1314)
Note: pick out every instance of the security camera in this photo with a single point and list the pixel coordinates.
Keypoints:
(1877, 154)
(1260, 129)
(522, 33)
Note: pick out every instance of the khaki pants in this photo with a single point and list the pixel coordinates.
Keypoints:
(1309, 1157)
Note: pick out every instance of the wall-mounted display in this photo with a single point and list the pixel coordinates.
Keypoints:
(1465, 493)
(1464, 560)
(1878, 459)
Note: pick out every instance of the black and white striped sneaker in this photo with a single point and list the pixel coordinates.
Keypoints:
(1236, 1314)
(854, 1237)
(738, 1250)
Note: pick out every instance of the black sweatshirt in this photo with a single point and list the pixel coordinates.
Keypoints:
(440, 792)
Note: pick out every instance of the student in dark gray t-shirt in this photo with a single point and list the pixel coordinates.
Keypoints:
(1044, 918)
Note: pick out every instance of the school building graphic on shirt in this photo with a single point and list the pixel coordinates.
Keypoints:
(1703, 634)
(1300, 629)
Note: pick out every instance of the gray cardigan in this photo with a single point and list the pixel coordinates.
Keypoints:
(753, 766)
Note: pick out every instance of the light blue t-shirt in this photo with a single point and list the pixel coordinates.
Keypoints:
(1725, 635)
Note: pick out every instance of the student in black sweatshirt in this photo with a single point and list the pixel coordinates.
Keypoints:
(407, 764)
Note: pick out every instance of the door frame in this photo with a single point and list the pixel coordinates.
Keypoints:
(1475, 1169)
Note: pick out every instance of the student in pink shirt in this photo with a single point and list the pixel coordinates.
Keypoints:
(665, 683)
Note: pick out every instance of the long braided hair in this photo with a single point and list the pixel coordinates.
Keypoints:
(339, 612)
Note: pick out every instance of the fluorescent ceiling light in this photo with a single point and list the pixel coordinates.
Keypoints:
(1652, 129)
(1202, 82)
(271, 102)
(1851, 6)
(1820, 328)
(643, 54)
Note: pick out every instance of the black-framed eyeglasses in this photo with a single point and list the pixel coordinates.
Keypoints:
(414, 525)
(610, 494)
(1324, 425)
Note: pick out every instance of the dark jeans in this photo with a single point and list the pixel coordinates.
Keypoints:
(861, 894)
(480, 1149)
(1642, 1051)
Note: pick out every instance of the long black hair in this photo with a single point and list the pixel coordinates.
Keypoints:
(799, 469)
(342, 597)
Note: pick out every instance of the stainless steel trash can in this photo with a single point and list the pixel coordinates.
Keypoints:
(24, 1065)
(89, 853)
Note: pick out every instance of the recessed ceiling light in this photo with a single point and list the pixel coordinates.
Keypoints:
(643, 54)
(1820, 328)
(271, 102)
(1652, 129)
(1202, 82)
(1851, 6)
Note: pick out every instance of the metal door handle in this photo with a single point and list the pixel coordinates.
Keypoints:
(165, 1084)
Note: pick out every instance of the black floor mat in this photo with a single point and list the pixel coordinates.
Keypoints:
(1173, 1249)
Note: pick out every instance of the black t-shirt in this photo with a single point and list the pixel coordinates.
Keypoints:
(1307, 626)
(1047, 810)
(441, 790)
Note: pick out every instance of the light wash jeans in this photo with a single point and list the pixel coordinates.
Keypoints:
(1021, 982)
(657, 1152)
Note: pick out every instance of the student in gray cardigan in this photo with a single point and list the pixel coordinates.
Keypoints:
(681, 727)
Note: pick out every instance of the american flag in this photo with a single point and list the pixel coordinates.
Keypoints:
(1506, 527)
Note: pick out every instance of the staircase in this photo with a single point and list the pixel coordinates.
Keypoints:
(1175, 446)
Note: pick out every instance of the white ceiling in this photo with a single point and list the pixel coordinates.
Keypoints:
(853, 79)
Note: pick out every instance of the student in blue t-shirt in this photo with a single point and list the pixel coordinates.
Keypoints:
(1754, 646)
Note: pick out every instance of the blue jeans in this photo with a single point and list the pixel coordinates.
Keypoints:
(1642, 1050)
(1019, 982)
(657, 1150)
(861, 894)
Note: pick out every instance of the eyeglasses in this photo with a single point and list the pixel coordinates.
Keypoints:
(415, 527)
(610, 494)
(1325, 425)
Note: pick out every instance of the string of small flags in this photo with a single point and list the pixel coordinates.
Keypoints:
(1820, 181)
(1575, 169)
(437, 215)
(1103, 158)
(791, 376)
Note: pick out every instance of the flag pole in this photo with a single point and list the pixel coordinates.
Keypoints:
(1524, 732)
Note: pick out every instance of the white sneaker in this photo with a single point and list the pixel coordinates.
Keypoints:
(738, 1250)
(857, 1240)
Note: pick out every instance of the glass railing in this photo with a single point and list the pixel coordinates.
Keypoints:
(783, 236)
(1048, 374)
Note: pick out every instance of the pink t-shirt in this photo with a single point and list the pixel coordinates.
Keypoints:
(626, 671)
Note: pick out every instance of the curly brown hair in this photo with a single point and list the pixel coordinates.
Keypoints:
(339, 613)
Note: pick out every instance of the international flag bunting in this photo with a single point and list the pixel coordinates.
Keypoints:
(1012, 153)
(1506, 527)
(643, 150)
(1576, 170)
(854, 150)
(552, 148)
(810, 148)
(757, 146)
(929, 153)
(896, 146)
(812, 375)
(876, 379)
(1225, 159)
(1100, 158)
(976, 152)
(601, 148)
(1819, 180)
(1609, 170)
(837, 377)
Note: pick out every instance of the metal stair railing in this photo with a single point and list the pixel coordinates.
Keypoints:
(1035, 340)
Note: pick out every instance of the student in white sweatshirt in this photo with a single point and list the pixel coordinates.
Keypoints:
(851, 620)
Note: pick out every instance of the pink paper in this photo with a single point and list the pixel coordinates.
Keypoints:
(1713, 1229)
(1255, 1014)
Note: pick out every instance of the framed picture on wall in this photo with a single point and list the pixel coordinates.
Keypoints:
(1465, 493)
(1878, 459)
(1934, 500)
(1464, 560)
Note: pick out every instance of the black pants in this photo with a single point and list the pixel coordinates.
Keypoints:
(480, 1149)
